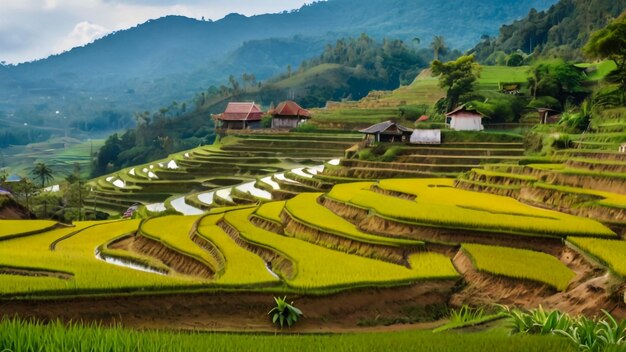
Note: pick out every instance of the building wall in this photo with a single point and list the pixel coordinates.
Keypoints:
(473, 123)
(282, 122)
(239, 125)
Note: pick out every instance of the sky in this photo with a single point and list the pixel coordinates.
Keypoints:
(34, 29)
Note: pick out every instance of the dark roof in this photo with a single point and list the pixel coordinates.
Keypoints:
(241, 112)
(463, 108)
(383, 126)
(290, 108)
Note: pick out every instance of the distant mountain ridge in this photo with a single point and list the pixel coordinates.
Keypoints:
(173, 57)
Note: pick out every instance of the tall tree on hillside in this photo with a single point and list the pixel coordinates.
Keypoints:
(43, 173)
(610, 43)
(439, 46)
(457, 77)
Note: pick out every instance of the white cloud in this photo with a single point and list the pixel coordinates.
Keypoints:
(83, 33)
(32, 29)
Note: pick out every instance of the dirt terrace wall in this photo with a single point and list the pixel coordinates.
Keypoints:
(396, 255)
(236, 311)
(173, 259)
(279, 264)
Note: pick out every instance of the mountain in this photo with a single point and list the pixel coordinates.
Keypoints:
(560, 31)
(174, 57)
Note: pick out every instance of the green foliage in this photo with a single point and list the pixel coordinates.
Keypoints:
(499, 107)
(560, 31)
(515, 60)
(284, 313)
(557, 79)
(610, 43)
(266, 121)
(62, 336)
(457, 77)
(545, 102)
(592, 335)
(43, 173)
(465, 314)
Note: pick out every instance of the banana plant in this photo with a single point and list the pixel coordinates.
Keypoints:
(284, 313)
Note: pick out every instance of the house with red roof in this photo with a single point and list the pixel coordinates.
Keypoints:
(289, 114)
(238, 116)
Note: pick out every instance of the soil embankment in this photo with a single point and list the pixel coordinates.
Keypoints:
(239, 311)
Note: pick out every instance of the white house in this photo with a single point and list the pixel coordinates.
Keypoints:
(465, 119)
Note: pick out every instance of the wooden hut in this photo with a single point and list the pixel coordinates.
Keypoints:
(387, 131)
(289, 114)
(465, 119)
(240, 116)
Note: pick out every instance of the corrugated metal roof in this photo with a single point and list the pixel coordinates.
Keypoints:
(383, 126)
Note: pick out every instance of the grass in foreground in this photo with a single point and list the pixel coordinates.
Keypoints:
(18, 335)
(520, 264)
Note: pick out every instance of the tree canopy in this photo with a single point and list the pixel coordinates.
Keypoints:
(457, 77)
(610, 43)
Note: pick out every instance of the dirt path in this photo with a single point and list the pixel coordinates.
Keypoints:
(243, 312)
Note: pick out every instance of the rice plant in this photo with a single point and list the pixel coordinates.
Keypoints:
(438, 204)
(317, 267)
(520, 264)
(610, 252)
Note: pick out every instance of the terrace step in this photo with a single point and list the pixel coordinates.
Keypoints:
(353, 163)
(462, 151)
(456, 159)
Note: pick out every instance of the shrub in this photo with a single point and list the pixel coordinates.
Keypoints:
(266, 121)
(466, 314)
(284, 312)
(588, 334)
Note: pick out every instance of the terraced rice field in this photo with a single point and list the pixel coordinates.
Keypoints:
(520, 264)
(318, 267)
(438, 204)
(242, 162)
(610, 252)
(72, 267)
(15, 228)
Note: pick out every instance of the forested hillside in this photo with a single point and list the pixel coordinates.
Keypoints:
(561, 31)
(173, 58)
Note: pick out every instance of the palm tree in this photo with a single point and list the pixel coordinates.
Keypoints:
(42, 172)
(438, 45)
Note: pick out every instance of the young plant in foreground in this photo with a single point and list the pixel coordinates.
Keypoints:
(466, 314)
(284, 312)
(588, 334)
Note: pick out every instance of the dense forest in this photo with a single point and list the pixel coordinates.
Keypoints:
(559, 32)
